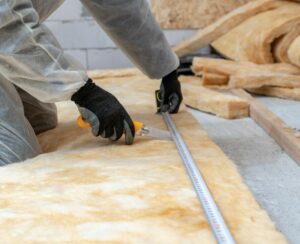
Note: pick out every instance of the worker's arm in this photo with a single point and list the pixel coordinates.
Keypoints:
(133, 28)
(31, 58)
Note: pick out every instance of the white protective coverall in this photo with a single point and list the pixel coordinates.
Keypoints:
(35, 72)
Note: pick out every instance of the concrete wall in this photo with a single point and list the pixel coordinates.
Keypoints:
(81, 37)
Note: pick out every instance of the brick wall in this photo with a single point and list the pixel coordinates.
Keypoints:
(81, 37)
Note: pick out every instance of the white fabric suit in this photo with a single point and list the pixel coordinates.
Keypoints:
(35, 72)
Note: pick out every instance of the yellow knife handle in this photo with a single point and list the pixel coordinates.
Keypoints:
(83, 124)
(138, 126)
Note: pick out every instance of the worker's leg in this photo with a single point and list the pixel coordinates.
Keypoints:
(41, 116)
(131, 25)
(17, 138)
(46, 7)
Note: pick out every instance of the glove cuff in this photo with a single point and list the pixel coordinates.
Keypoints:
(83, 91)
(170, 78)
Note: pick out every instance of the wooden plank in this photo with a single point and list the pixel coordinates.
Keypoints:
(249, 75)
(192, 80)
(228, 67)
(109, 73)
(206, 79)
(286, 137)
(223, 25)
(252, 39)
(286, 93)
(249, 80)
(182, 14)
(210, 101)
(212, 79)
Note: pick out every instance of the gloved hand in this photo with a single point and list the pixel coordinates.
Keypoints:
(104, 113)
(170, 93)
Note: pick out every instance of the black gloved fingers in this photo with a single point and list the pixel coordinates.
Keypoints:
(171, 94)
(104, 125)
(171, 104)
(165, 104)
(164, 107)
(175, 101)
(118, 130)
(108, 132)
(101, 131)
(129, 130)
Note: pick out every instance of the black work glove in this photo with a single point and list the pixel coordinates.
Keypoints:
(170, 93)
(104, 113)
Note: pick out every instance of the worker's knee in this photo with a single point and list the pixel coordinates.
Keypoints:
(18, 141)
(17, 146)
(41, 116)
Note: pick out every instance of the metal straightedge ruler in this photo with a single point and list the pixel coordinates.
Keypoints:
(211, 210)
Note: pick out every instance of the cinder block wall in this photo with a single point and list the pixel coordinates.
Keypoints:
(81, 37)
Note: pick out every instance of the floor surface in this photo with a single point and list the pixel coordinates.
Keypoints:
(272, 176)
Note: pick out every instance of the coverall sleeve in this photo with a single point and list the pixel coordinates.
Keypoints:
(31, 58)
(133, 28)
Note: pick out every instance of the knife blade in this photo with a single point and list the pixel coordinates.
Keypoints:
(140, 128)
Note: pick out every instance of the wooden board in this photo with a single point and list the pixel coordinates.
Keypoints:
(255, 81)
(286, 93)
(187, 14)
(211, 79)
(206, 79)
(228, 67)
(191, 80)
(249, 75)
(110, 73)
(217, 103)
(286, 137)
(222, 26)
(89, 190)
(252, 39)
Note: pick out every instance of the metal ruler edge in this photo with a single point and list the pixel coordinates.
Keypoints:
(213, 214)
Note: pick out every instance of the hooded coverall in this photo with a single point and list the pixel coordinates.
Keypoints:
(35, 72)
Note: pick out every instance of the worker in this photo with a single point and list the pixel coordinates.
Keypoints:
(35, 72)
